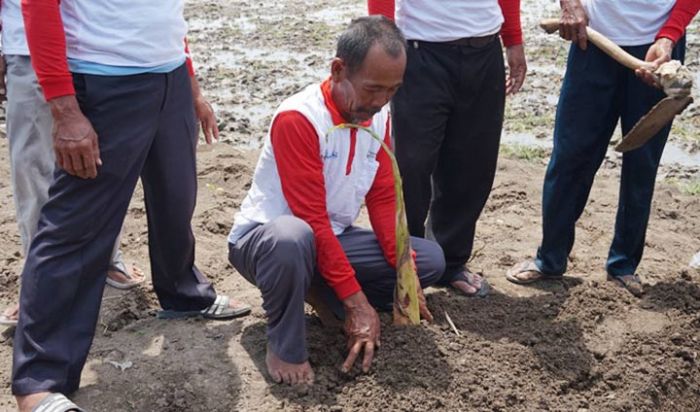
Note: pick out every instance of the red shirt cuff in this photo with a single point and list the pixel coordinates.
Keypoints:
(57, 87)
(672, 33)
(512, 39)
(347, 288)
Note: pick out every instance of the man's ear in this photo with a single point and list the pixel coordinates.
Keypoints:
(338, 70)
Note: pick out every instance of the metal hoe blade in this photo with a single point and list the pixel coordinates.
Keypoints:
(649, 125)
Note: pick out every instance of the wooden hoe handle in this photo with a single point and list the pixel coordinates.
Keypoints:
(605, 44)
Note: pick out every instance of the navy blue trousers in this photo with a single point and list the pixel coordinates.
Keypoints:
(597, 92)
(447, 118)
(146, 128)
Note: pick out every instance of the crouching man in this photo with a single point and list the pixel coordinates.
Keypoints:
(294, 236)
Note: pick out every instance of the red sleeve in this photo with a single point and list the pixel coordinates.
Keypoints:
(383, 7)
(47, 46)
(296, 149)
(681, 15)
(381, 203)
(188, 60)
(511, 32)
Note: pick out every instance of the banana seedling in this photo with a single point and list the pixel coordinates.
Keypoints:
(409, 301)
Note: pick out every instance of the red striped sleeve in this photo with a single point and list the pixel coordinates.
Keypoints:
(681, 16)
(47, 46)
(297, 155)
(383, 7)
(511, 31)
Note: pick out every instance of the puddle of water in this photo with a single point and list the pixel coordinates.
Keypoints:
(673, 154)
(340, 15)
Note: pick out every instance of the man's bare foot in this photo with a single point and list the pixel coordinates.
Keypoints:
(118, 278)
(289, 373)
(27, 402)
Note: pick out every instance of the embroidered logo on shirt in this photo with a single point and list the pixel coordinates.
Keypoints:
(330, 155)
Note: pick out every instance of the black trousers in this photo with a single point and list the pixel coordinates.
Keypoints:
(146, 128)
(447, 120)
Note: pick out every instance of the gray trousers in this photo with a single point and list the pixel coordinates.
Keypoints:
(147, 128)
(32, 159)
(280, 258)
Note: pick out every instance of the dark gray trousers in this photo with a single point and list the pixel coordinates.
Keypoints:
(146, 128)
(447, 119)
(280, 259)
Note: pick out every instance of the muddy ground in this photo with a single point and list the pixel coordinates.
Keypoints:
(575, 345)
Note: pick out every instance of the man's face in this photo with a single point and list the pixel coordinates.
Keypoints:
(360, 95)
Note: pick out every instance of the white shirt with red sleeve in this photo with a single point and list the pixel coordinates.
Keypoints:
(124, 33)
(323, 177)
(448, 20)
(640, 22)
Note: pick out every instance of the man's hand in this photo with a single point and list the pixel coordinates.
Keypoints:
(205, 113)
(362, 330)
(658, 53)
(74, 139)
(573, 22)
(517, 68)
(207, 119)
(3, 72)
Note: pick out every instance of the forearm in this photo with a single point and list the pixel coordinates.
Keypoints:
(511, 32)
(47, 46)
(681, 15)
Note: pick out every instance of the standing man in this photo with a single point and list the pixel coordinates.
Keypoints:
(596, 93)
(448, 118)
(32, 159)
(122, 108)
(294, 237)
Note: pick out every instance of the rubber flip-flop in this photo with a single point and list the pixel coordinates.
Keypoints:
(469, 278)
(120, 267)
(527, 266)
(57, 402)
(7, 320)
(219, 310)
(630, 282)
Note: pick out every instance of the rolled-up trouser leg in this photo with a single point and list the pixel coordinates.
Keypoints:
(32, 158)
(65, 270)
(169, 180)
(279, 257)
